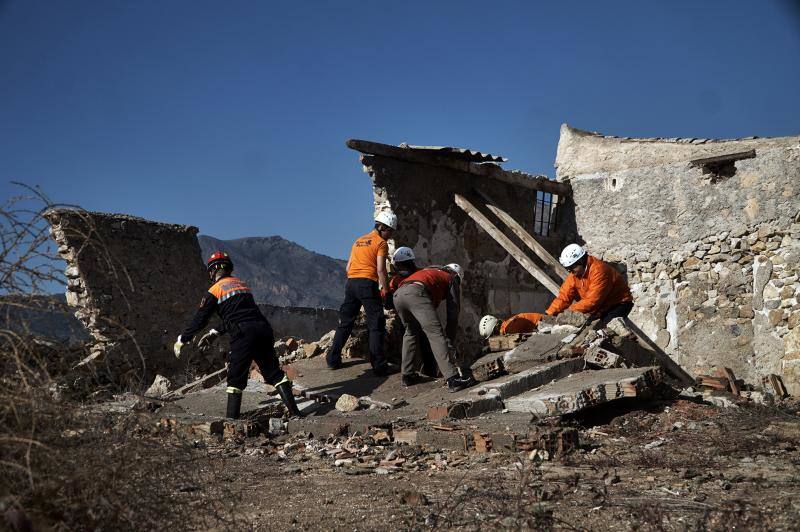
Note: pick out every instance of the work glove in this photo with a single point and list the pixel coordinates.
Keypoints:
(205, 343)
(177, 347)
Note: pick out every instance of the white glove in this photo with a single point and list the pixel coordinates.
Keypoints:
(177, 347)
(204, 344)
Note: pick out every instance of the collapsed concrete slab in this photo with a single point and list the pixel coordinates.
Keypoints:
(134, 284)
(709, 236)
(587, 388)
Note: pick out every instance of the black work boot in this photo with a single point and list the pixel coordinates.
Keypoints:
(234, 405)
(285, 391)
(456, 383)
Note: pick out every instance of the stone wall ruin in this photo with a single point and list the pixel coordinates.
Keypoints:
(134, 284)
(709, 234)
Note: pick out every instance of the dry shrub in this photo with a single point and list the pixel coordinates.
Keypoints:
(65, 464)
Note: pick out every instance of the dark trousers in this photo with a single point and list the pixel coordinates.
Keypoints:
(253, 341)
(618, 311)
(358, 293)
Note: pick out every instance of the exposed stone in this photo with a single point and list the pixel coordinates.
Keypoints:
(347, 403)
(775, 317)
(746, 311)
(159, 387)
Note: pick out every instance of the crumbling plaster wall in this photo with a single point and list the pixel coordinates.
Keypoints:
(134, 284)
(713, 266)
(439, 232)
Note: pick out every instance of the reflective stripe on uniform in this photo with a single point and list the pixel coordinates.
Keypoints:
(233, 389)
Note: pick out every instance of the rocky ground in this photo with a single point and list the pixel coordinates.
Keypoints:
(674, 465)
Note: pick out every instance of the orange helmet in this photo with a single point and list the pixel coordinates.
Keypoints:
(219, 259)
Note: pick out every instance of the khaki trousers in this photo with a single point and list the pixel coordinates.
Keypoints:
(416, 311)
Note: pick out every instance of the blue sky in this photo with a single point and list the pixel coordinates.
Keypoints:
(232, 116)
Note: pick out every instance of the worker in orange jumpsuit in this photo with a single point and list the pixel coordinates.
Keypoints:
(525, 322)
(593, 287)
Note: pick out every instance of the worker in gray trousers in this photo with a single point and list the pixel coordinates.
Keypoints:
(415, 301)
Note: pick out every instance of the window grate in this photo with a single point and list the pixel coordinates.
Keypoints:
(545, 213)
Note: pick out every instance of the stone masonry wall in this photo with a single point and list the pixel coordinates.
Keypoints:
(306, 323)
(712, 263)
(134, 284)
(439, 232)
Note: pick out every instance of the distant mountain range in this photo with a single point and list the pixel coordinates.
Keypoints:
(283, 273)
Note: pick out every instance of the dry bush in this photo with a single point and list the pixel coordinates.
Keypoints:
(67, 465)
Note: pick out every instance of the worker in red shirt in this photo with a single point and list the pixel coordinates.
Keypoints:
(251, 335)
(416, 299)
(593, 287)
(367, 285)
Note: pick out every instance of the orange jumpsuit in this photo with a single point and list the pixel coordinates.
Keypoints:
(599, 290)
(521, 323)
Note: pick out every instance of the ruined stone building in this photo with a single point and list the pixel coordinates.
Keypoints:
(707, 232)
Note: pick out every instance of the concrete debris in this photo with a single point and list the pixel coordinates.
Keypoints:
(347, 403)
(602, 358)
(159, 388)
(506, 341)
(588, 388)
(618, 327)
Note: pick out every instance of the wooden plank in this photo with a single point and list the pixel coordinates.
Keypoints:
(727, 373)
(526, 237)
(507, 244)
(482, 169)
(730, 157)
(187, 387)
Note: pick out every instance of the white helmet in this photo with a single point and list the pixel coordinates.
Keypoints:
(403, 254)
(457, 269)
(487, 325)
(571, 254)
(387, 218)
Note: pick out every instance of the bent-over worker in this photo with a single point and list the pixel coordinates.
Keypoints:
(525, 322)
(416, 299)
(251, 336)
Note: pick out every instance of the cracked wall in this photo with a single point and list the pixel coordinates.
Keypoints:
(134, 284)
(712, 260)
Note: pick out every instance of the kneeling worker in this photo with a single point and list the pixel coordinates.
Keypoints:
(593, 287)
(415, 300)
(525, 322)
(251, 334)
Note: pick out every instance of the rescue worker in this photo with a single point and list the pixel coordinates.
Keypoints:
(416, 299)
(251, 337)
(367, 285)
(525, 322)
(593, 287)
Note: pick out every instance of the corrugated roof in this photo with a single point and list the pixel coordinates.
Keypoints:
(461, 154)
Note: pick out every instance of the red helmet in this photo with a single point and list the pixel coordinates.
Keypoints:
(219, 259)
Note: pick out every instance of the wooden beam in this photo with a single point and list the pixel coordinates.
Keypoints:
(506, 243)
(727, 158)
(199, 382)
(490, 170)
(526, 237)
